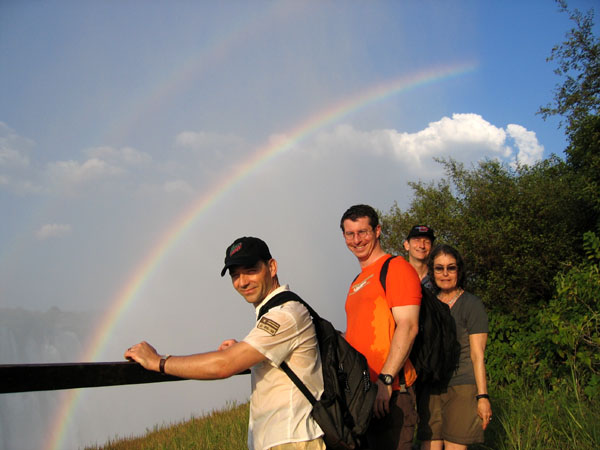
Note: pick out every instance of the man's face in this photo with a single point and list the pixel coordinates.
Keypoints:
(256, 282)
(360, 237)
(418, 248)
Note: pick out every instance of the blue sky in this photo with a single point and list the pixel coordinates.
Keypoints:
(115, 117)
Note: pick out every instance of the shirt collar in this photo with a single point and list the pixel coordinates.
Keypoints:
(282, 288)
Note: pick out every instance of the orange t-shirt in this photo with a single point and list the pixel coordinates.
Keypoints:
(370, 324)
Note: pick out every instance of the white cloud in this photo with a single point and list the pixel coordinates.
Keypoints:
(68, 173)
(530, 150)
(10, 156)
(464, 137)
(463, 134)
(177, 186)
(124, 155)
(13, 148)
(53, 230)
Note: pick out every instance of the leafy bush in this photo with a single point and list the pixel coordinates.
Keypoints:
(515, 227)
(559, 345)
(574, 318)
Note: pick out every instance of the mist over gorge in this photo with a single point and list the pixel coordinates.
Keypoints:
(36, 420)
(32, 337)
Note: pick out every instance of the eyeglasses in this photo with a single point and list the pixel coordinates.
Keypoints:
(350, 235)
(451, 268)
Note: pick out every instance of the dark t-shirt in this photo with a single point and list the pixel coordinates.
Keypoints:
(470, 317)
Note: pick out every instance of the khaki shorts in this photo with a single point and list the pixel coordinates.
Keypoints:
(315, 444)
(450, 415)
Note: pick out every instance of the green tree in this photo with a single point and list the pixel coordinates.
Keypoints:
(574, 320)
(516, 227)
(578, 60)
(577, 100)
(583, 155)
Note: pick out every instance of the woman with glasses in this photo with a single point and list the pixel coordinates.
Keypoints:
(454, 416)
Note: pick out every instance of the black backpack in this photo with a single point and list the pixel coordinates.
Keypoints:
(344, 410)
(436, 350)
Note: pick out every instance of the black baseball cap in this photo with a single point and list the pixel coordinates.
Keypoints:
(246, 251)
(421, 230)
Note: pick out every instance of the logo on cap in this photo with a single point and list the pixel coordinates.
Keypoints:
(234, 249)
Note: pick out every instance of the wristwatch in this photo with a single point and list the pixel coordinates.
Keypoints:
(387, 379)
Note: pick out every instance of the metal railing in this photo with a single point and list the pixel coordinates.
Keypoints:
(51, 377)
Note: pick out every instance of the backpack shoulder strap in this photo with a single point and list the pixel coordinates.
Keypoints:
(384, 271)
(382, 280)
(298, 382)
(284, 297)
(382, 274)
(280, 299)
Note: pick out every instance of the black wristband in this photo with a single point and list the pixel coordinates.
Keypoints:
(480, 396)
(161, 365)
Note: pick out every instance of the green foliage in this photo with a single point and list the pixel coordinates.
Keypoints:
(578, 60)
(577, 100)
(558, 345)
(583, 155)
(537, 419)
(574, 317)
(514, 226)
(517, 353)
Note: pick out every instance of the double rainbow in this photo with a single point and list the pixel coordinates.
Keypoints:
(263, 155)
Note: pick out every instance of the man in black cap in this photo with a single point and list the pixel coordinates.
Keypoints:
(280, 415)
(418, 244)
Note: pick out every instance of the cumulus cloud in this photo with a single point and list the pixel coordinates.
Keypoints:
(10, 156)
(465, 137)
(463, 134)
(69, 173)
(124, 155)
(53, 230)
(530, 150)
(13, 148)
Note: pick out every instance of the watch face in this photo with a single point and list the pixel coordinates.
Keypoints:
(386, 378)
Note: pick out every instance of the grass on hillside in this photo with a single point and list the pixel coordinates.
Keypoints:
(226, 429)
(523, 420)
(542, 420)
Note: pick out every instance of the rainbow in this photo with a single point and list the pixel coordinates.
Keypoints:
(263, 155)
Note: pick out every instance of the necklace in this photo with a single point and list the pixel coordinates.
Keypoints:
(451, 302)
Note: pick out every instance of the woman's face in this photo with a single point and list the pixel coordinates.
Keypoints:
(445, 272)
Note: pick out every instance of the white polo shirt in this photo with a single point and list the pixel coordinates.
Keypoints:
(279, 412)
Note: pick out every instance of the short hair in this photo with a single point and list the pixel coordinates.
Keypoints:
(444, 249)
(357, 211)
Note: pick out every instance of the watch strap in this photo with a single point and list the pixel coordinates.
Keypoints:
(387, 379)
(161, 365)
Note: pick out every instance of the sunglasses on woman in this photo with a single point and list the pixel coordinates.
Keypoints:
(450, 268)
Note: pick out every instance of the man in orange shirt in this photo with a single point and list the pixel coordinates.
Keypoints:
(382, 325)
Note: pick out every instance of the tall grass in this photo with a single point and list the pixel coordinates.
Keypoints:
(226, 429)
(540, 420)
(534, 419)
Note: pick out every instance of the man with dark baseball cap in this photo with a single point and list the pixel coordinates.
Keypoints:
(246, 251)
(418, 244)
(280, 414)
